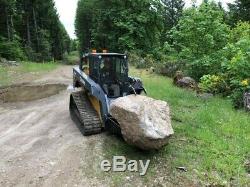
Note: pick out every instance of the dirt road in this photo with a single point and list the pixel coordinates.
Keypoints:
(40, 145)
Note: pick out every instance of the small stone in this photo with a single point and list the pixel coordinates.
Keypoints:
(182, 168)
(52, 163)
(161, 180)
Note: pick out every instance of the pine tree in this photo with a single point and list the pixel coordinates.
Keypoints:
(34, 24)
(119, 25)
(173, 12)
(239, 11)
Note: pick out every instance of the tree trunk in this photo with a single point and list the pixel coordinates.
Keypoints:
(172, 13)
(28, 30)
(12, 28)
(7, 23)
(36, 29)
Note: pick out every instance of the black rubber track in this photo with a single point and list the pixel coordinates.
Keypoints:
(83, 114)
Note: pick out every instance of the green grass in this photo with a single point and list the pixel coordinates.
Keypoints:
(37, 67)
(9, 74)
(212, 140)
(4, 78)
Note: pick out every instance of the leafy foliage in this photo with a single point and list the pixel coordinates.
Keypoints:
(172, 12)
(213, 83)
(235, 66)
(10, 49)
(119, 25)
(198, 36)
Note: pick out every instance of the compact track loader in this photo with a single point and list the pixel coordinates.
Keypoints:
(102, 78)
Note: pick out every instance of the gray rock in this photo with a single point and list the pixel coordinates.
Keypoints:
(144, 122)
(152, 70)
(5, 62)
(186, 82)
(13, 63)
(247, 101)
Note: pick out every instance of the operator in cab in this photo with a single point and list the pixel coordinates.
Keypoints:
(106, 70)
(108, 77)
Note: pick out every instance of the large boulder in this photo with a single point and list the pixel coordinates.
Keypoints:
(187, 82)
(144, 122)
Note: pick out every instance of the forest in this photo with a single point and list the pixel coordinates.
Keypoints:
(207, 42)
(31, 30)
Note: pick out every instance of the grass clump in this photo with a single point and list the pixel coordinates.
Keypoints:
(27, 67)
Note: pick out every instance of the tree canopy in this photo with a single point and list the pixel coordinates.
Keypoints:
(119, 25)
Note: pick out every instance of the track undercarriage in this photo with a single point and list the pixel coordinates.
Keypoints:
(83, 114)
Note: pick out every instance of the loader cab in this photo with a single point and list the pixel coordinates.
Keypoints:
(109, 70)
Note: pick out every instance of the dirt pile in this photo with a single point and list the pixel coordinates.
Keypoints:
(23, 92)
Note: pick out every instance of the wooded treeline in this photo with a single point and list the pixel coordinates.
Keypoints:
(125, 25)
(141, 25)
(206, 42)
(31, 30)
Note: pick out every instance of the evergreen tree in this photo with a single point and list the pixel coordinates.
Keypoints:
(34, 24)
(173, 12)
(239, 11)
(119, 25)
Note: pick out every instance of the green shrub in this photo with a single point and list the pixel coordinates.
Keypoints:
(149, 61)
(208, 64)
(241, 30)
(139, 62)
(11, 50)
(240, 87)
(72, 58)
(229, 68)
(213, 84)
(134, 59)
(198, 36)
(169, 68)
(236, 64)
(237, 58)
